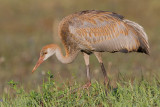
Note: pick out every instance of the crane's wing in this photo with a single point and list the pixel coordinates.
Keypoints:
(107, 31)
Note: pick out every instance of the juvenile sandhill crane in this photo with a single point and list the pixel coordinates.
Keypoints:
(95, 32)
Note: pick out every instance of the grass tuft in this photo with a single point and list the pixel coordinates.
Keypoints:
(138, 93)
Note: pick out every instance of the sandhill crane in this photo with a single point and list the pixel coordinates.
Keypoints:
(95, 32)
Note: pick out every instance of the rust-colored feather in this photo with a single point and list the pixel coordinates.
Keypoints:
(102, 31)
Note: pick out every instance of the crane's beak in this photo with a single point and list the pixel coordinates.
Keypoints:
(37, 64)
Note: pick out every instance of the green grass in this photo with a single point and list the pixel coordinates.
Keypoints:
(137, 93)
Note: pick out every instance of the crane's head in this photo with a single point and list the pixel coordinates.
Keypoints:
(45, 53)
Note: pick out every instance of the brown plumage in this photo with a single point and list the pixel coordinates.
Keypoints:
(102, 31)
(94, 31)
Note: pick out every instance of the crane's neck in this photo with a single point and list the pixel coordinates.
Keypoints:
(68, 58)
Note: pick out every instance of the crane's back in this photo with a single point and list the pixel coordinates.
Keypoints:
(102, 31)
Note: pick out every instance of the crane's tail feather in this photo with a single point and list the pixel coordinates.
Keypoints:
(142, 36)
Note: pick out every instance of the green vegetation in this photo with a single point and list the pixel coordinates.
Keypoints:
(127, 94)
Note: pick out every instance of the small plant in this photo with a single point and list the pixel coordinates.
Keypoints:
(48, 88)
(34, 96)
(13, 85)
(50, 83)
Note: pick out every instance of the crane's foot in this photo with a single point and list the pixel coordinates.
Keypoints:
(87, 85)
(107, 82)
(107, 85)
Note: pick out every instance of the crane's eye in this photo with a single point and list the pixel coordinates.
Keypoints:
(45, 53)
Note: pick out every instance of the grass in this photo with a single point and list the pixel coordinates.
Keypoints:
(126, 94)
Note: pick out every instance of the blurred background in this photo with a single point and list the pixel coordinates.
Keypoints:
(27, 25)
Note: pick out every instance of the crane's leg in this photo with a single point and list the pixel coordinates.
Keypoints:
(86, 59)
(99, 57)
